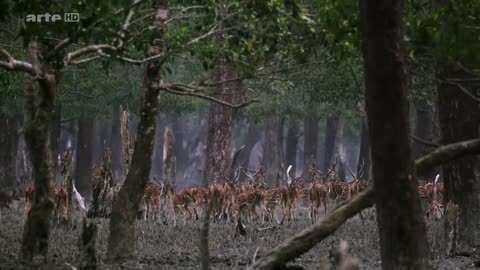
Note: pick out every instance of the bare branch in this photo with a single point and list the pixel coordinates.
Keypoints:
(202, 37)
(447, 153)
(185, 90)
(420, 140)
(64, 43)
(86, 50)
(213, 84)
(351, 173)
(86, 60)
(15, 65)
(138, 61)
(464, 90)
(332, 169)
(7, 54)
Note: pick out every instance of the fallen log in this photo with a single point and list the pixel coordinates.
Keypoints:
(305, 240)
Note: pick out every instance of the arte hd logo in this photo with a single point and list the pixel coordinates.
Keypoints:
(47, 17)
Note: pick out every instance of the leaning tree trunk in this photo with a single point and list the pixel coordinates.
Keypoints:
(363, 166)
(121, 243)
(292, 144)
(40, 95)
(169, 158)
(273, 150)
(220, 123)
(460, 120)
(83, 168)
(332, 139)
(8, 151)
(401, 226)
(310, 135)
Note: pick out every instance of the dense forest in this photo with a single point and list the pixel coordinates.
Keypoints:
(276, 134)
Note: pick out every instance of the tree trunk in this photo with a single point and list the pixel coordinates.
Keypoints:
(424, 130)
(292, 143)
(332, 139)
(83, 168)
(169, 157)
(116, 145)
(101, 138)
(55, 130)
(157, 161)
(8, 151)
(460, 120)
(250, 139)
(67, 137)
(363, 166)
(423, 127)
(40, 95)
(401, 226)
(121, 243)
(181, 142)
(273, 150)
(310, 135)
(220, 123)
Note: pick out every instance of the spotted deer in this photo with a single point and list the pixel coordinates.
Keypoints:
(291, 196)
(435, 209)
(317, 192)
(60, 204)
(167, 193)
(248, 202)
(181, 202)
(150, 203)
(356, 185)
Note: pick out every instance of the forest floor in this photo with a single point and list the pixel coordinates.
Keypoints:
(162, 246)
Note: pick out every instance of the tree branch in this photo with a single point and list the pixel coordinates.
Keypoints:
(420, 140)
(15, 65)
(64, 43)
(464, 90)
(302, 242)
(447, 153)
(85, 50)
(184, 90)
(136, 61)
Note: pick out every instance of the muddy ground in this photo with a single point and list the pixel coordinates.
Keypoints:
(164, 247)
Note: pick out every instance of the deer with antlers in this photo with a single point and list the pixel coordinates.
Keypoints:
(356, 185)
(318, 192)
(250, 197)
(150, 203)
(291, 196)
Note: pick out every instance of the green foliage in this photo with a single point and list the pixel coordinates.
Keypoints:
(447, 32)
(11, 96)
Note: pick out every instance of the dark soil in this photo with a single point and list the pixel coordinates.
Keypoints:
(162, 246)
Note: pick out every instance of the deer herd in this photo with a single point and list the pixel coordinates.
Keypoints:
(251, 201)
